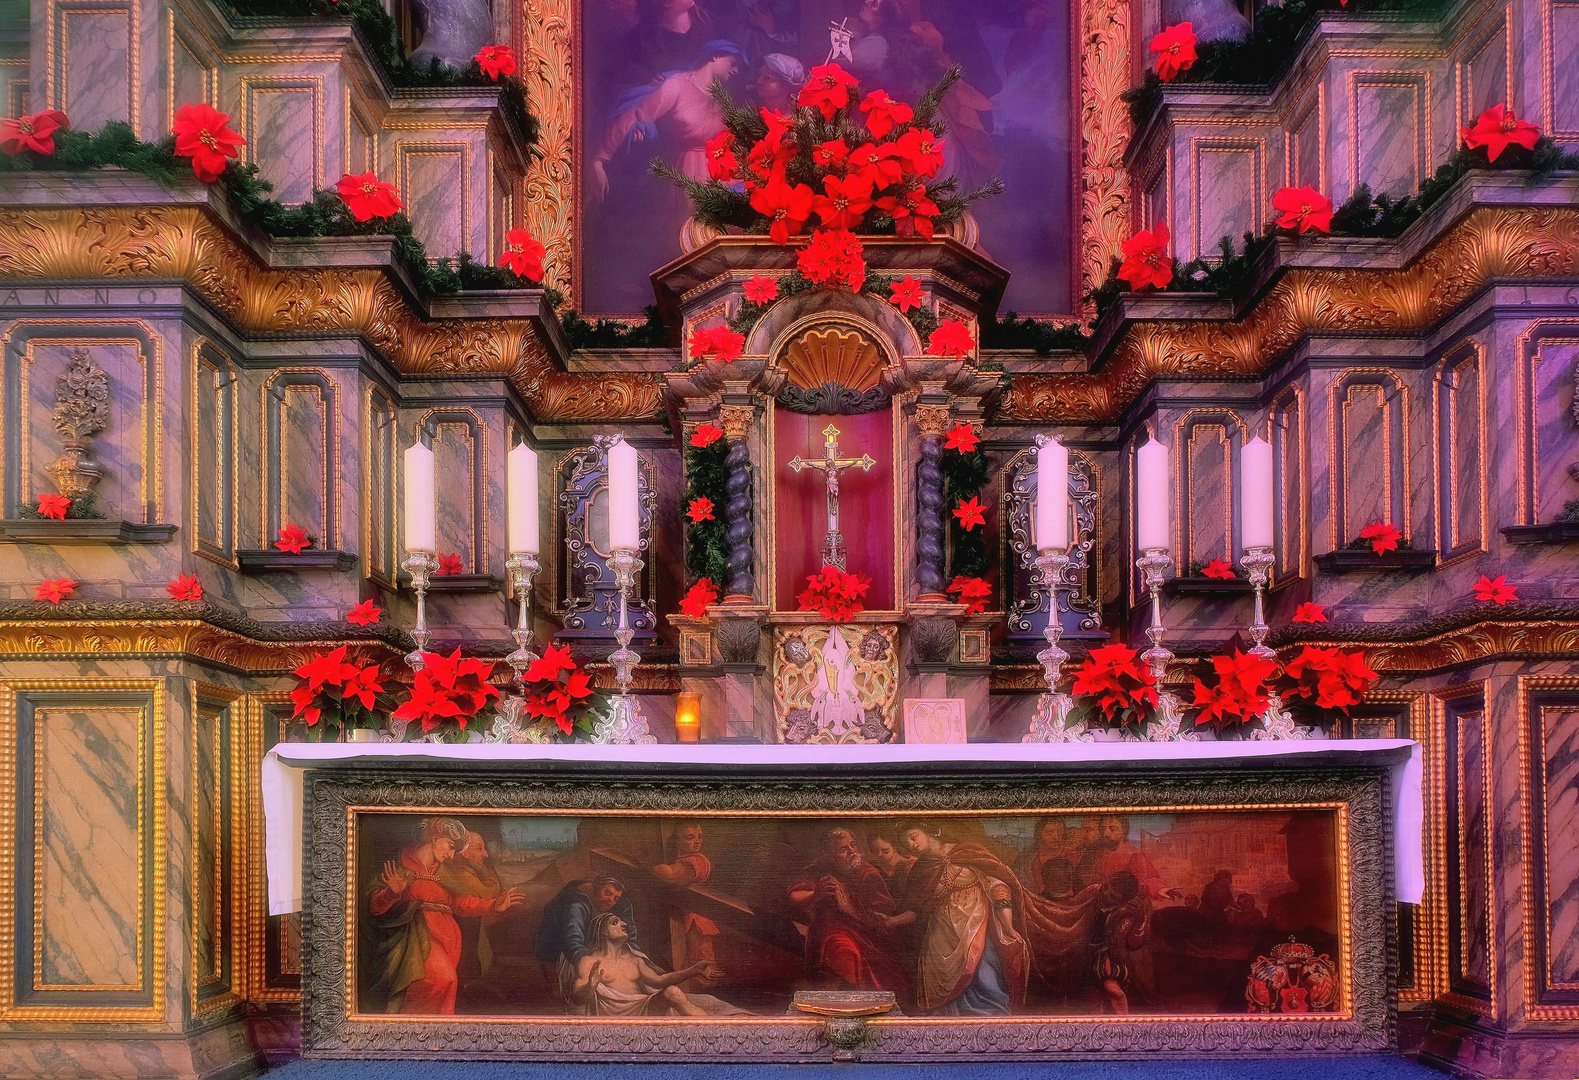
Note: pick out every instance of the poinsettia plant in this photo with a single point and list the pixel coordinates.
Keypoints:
(1325, 678)
(842, 159)
(448, 690)
(1113, 688)
(558, 692)
(333, 694)
(835, 593)
(1234, 690)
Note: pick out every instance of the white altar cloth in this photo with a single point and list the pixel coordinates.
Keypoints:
(283, 769)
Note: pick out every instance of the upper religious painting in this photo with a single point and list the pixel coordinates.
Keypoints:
(646, 66)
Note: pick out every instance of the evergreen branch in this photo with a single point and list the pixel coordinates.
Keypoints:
(925, 113)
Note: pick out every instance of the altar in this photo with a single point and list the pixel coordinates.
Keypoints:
(1133, 899)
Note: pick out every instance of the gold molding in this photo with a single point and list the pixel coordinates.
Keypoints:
(549, 185)
(233, 900)
(1102, 42)
(187, 639)
(1537, 911)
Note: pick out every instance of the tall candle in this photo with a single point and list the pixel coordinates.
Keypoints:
(520, 476)
(624, 509)
(1255, 494)
(420, 507)
(1153, 496)
(1052, 496)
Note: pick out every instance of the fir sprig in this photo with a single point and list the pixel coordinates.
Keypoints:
(964, 475)
(707, 542)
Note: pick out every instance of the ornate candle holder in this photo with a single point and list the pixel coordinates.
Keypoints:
(1257, 562)
(1152, 564)
(421, 565)
(625, 722)
(1051, 721)
(522, 568)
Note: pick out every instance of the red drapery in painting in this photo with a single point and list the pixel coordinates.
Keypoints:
(866, 501)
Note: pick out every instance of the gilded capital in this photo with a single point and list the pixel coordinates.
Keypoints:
(736, 419)
(933, 420)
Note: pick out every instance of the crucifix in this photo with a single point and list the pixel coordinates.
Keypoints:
(831, 465)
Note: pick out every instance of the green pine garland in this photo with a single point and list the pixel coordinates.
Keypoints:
(707, 542)
(964, 476)
(615, 333)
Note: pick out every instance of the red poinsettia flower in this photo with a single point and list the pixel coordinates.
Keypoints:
(363, 687)
(293, 538)
(961, 437)
(368, 197)
(706, 435)
(185, 587)
(845, 202)
(973, 592)
(1218, 568)
(906, 293)
(788, 208)
(827, 89)
(496, 60)
(1496, 129)
(54, 506)
(449, 564)
(721, 161)
(971, 513)
(883, 113)
(761, 289)
(1238, 692)
(447, 688)
(884, 164)
(522, 254)
(833, 154)
(702, 595)
(912, 212)
(1146, 260)
(1310, 613)
(717, 343)
(203, 134)
(550, 664)
(55, 590)
(1496, 590)
(1383, 535)
(35, 132)
(1303, 209)
(1124, 688)
(1175, 49)
(952, 338)
(699, 509)
(326, 670)
(835, 594)
(1328, 678)
(833, 259)
(920, 151)
(364, 614)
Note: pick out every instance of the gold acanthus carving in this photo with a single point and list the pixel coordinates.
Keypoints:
(550, 171)
(184, 242)
(1492, 242)
(737, 420)
(1104, 137)
(184, 638)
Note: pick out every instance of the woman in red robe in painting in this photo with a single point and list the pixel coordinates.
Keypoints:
(419, 941)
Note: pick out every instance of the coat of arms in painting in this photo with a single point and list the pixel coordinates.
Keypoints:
(835, 684)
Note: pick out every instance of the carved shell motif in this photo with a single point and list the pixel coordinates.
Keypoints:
(845, 357)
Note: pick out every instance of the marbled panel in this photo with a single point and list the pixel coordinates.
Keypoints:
(304, 438)
(1208, 495)
(502, 209)
(1154, 207)
(1474, 840)
(96, 70)
(206, 865)
(1288, 462)
(455, 470)
(91, 830)
(433, 184)
(378, 501)
(1307, 167)
(1556, 445)
(18, 96)
(1560, 726)
(1388, 141)
(213, 457)
(1366, 478)
(1465, 485)
(1563, 73)
(282, 139)
(1227, 195)
(360, 148)
(119, 449)
(191, 80)
(1486, 75)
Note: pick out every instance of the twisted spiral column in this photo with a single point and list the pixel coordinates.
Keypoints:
(930, 533)
(739, 527)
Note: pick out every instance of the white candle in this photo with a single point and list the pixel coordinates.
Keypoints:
(1255, 494)
(1153, 496)
(624, 509)
(520, 478)
(420, 507)
(1052, 496)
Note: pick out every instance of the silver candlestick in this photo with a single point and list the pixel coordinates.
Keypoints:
(1257, 561)
(1153, 563)
(1051, 720)
(522, 567)
(625, 722)
(421, 566)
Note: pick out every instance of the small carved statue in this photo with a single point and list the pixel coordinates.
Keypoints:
(82, 410)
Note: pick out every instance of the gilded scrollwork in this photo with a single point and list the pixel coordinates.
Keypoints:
(550, 172)
(1105, 129)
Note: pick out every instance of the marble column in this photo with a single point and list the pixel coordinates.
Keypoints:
(932, 420)
(742, 579)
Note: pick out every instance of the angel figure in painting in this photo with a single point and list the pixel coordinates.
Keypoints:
(418, 950)
(835, 706)
(616, 979)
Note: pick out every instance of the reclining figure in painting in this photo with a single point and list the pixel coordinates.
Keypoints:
(616, 979)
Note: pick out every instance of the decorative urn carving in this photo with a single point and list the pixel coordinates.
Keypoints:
(82, 410)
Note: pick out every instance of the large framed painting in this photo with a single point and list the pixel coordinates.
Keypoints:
(460, 915)
(645, 65)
